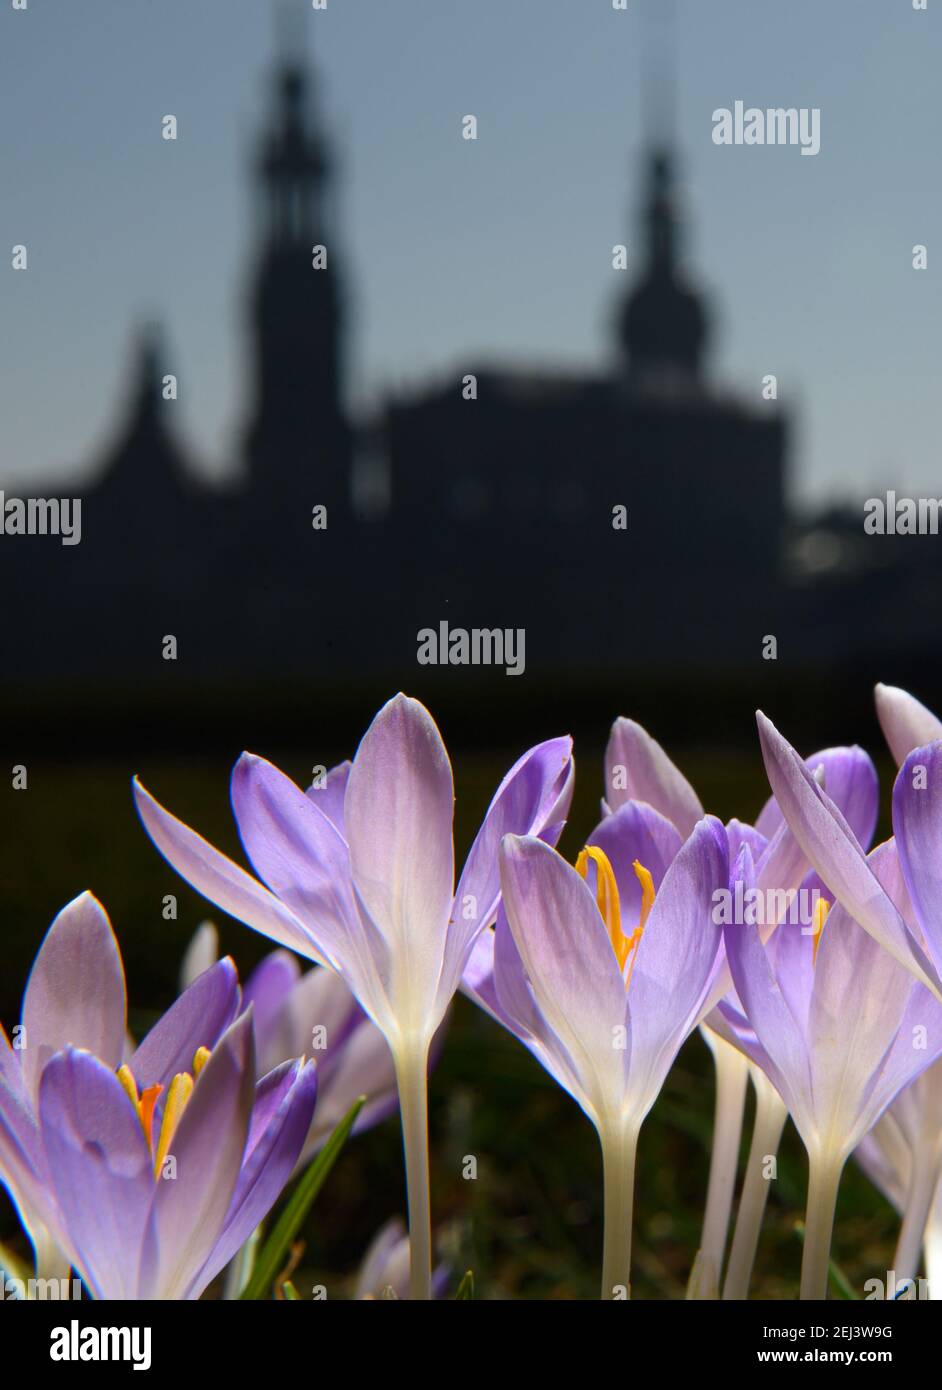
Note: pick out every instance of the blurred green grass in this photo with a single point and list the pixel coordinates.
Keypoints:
(530, 1224)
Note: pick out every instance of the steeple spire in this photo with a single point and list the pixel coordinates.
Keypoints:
(663, 324)
(144, 464)
(292, 163)
(659, 74)
(662, 223)
(297, 438)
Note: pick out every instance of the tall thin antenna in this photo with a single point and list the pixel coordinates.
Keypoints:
(290, 32)
(659, 73)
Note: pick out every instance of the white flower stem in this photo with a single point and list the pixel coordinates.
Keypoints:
(933, 1246)
(824, 1178)
(51, 1263)
(922, 1187)
(766, 1136)
(732, 1074)
(411, 1064)
(619, 1149)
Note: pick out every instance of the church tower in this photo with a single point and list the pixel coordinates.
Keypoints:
(663, 327)
(297, 442)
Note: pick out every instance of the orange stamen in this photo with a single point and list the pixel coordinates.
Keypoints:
(821, 909)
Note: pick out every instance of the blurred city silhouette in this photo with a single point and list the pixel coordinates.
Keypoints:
(635, 518)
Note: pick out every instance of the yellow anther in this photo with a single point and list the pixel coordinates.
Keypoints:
(647, 891)
(821, 909)
(606, 896)
(126, 1077)
(144, 1103)
(606, 888)
(181, 1088)
(609, 905)
(647, 902)
(200, 1059)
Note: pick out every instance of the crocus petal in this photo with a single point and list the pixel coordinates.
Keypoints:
(75, 993)
(269, 1162)
(219, 879)
(636, 832)
(516, 1007)
(322, 1013)
(373, 1275)
(739, 834)
(780, 868)
(792, 954)
(305, 861)
(917, 821)
(917, 1109)
(906, 723)
(573, 971)
(295, 850)
(22, 1157)
(518, 1011)
(268, 990)
(398, 810)
(850, 780)
(101, 1167)
(198, 1018)
(907, 1069)
(202, 952)
(675, 958)
(11, 1073)
(885, 1157)
(477, 980)
(329, 797)
(638, 769)
(534, 795)
(352, 1055)
(269, 985)
(778, 1033)
(363, 1066)
(189, 1209)
(733, 1027)
(859, 996)
(834, 852)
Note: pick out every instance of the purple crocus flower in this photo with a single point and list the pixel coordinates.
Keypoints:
(639, 772)
(885, 1157)
(76, 995)
(649, 808)
(313, 1013)
(384, 1272)
(603, 986)
(902, 1156)
(906, 723)
(152, 1214)
(363, 881)
(130, 1166)
(638, 769)
(909, 924)
(917, 1115)
(839, 1028)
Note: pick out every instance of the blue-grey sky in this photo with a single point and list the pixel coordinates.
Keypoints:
(456, 251)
